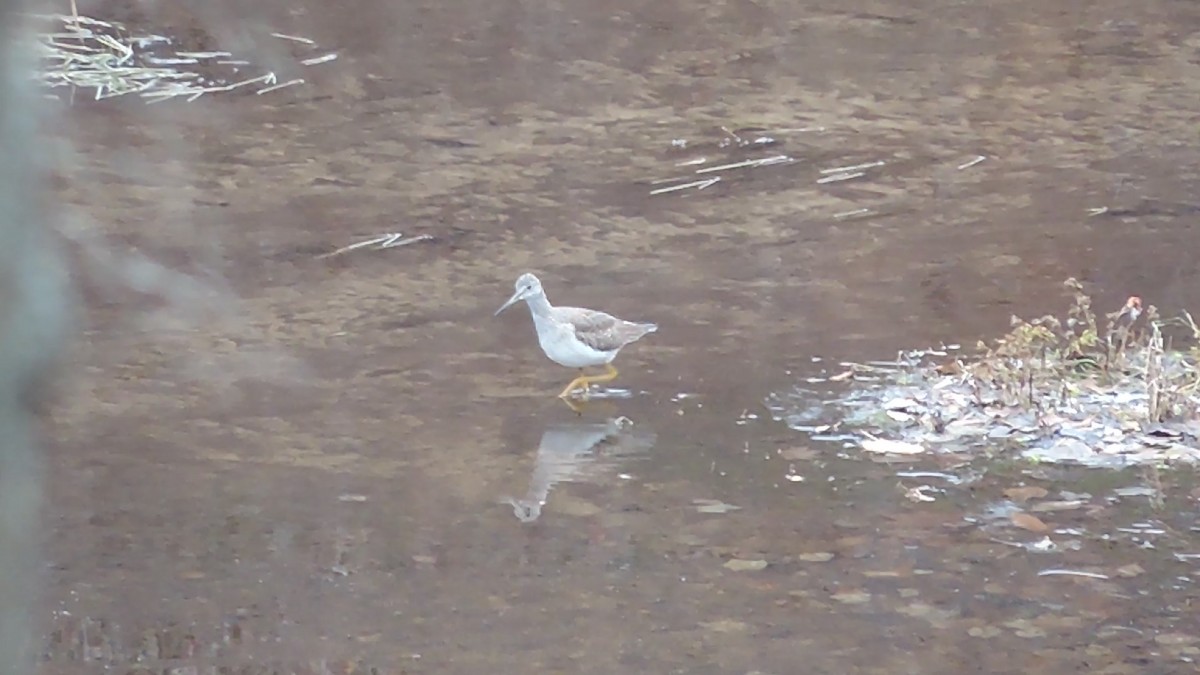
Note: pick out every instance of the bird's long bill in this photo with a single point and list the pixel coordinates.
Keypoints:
(511, 301)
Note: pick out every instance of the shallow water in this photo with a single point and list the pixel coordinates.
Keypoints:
(302, 464)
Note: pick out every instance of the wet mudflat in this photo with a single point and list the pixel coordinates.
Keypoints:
(269, 461)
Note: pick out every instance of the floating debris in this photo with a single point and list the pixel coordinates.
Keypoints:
(1072, 573)
(317, 60)
(851, 214)
(281, 85)
(971, 163)
(741, 141)
(734, 142)
(948, 477)
(390, 240)
(917, 494)
(749, 163)
(699, 185)
(294, 38)
(740, 565)
(838, 177)
(852, 169)
(713, 506)
(799, 130)
(1030, 522)
(1081, 390)
(882, 446)
(1022, 494)
(1136, 491)
(109, 60)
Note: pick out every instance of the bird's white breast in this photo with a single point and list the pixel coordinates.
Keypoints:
(560, 345)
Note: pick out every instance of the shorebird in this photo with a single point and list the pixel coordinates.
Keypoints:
(576, 337)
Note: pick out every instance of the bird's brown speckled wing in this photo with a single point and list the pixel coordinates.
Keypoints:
(600, 331)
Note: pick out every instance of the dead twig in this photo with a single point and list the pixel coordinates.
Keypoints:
(382, 242)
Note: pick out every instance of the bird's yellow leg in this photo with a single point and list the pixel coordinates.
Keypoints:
(606, 377)
(588, 380)
(581, 381)
(585, 381)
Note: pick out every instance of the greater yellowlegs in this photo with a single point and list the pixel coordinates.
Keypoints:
(575, 337)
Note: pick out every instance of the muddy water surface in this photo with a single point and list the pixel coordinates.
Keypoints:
(265, 461)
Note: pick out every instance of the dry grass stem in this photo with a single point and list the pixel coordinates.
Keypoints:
(852, 169)
(840, 177)
(108, 60)
(386, 241)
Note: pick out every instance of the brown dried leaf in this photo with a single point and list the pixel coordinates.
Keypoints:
(852, 597)
(725, 626)
(885, 574)
(1029, 522)
(938, 616)
(798, 454)
(1024, 493)
(1025, 628)
(713, 506)
(984, 631)
(739, 565)
(1130, 570)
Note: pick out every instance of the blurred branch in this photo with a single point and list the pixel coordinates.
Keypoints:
(32, 323)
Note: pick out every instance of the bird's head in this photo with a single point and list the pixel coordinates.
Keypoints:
(527, 286)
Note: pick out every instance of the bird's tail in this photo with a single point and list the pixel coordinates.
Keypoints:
(648, 327)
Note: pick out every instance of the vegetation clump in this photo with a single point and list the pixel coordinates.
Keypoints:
(1109, 390)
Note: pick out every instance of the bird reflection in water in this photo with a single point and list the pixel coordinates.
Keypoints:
(578, 452)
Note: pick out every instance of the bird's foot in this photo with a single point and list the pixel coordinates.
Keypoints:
(584, 383)
(580, 382)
